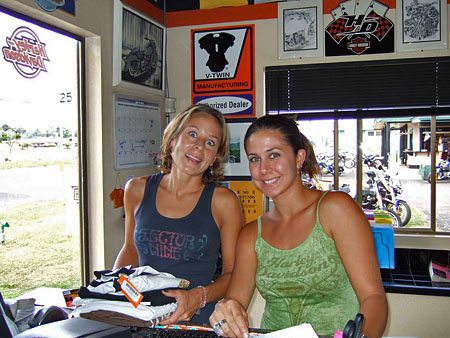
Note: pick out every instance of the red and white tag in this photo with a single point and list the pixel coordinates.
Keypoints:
(130, 291)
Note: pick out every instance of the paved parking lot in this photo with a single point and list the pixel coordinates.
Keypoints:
(27, 185)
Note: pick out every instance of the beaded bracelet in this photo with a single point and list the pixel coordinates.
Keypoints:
(204, 296)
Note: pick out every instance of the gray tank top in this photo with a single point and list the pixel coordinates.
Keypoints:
(187, 247)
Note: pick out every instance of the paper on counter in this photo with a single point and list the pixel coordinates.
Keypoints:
(300, 331)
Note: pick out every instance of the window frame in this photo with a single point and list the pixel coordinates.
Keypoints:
(82, 136)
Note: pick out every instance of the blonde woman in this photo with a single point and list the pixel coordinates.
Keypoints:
(179, 220)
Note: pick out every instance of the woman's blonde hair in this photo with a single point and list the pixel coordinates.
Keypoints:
(176, 126)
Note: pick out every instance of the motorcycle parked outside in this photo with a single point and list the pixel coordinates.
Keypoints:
(327, 166)
(395, 188)
(373, 161)
(347, 160)
(381, 192)
(442, 171)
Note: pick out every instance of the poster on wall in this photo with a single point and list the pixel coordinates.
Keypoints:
(421, 25)
(138, 49)
(223, 71)
(300, 29)
(251, 199)
(359, 27)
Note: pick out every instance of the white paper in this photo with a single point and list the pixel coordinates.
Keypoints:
(299, 331)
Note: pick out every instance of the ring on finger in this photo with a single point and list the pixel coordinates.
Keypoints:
(218, 330)
(218, 327)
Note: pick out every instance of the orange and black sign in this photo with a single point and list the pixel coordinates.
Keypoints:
(359, 27)
(223, 69)
(251, 199)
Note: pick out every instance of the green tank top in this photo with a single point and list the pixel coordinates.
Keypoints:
(306, 284)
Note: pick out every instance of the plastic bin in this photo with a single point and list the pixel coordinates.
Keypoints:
(384, 245)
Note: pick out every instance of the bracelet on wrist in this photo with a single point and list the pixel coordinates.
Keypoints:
(204, 296)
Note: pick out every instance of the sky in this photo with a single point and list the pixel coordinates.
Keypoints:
(36, 103)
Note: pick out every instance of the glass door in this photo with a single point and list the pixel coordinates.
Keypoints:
(39, 157)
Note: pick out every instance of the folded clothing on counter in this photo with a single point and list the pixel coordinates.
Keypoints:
(144, 278)
(121, 313)
(154, 297)
(103, 299)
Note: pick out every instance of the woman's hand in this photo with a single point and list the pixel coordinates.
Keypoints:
(188, 302)
(231, 318)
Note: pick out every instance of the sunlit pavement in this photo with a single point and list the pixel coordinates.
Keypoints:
(24, 185)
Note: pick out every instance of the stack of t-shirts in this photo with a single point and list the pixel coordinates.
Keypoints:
(103, 299)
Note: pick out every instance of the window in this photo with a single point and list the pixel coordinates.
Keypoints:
(392, 120)
(406, 168)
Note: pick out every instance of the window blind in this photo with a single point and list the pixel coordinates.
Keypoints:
(389, 86)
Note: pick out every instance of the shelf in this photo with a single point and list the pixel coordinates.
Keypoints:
(411, 274)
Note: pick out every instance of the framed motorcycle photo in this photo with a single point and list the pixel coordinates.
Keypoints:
(138, 47)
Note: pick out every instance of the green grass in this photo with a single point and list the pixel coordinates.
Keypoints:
(418, 219)
(38, 251)
(31, 164)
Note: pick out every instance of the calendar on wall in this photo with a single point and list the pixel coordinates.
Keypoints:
(137, 132)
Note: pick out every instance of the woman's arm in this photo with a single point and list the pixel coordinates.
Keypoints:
(134, 192)
(229, 217)
(227, 213)
(342, 217)
(241, 286)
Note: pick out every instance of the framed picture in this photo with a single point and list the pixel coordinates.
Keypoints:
(300, 29)
(139, 49)
(236, 169)
(421, 25)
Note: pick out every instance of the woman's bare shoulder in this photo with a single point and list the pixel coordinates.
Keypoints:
(134, 189)
(338, 208)
(225, 195)
(249, 231)
(337, 200)
(136, 182)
